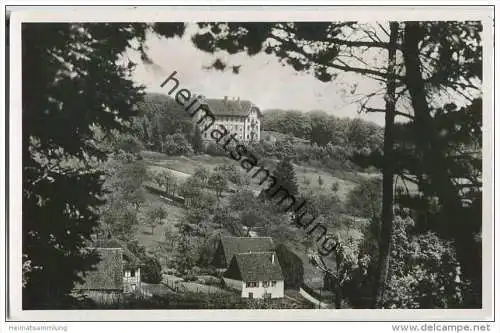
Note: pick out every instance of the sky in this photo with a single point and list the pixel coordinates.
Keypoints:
(261, 79)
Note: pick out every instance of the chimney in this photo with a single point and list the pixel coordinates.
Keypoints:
(225, 99)
(272, 258)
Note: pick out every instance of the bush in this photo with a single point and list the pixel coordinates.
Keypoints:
(211, 280)
(215, 150)
(190, 278)
(291, 264)
(151, 271)
(177, 144)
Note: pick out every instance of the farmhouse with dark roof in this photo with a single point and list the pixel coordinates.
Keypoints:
(256, 274)
(229, 246)
(117, 271)
(104, 284)
(252, 266)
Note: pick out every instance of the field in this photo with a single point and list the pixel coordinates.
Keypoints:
(307, 177)
(143, 234)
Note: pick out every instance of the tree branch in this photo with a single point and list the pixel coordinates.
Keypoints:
(398, 113)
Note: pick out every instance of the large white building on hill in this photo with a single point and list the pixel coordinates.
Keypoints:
(238, 116)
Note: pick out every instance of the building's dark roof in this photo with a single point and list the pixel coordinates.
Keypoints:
(108, 272)
(223, 107)
(235, 245)
(257, 266)
(130, 261)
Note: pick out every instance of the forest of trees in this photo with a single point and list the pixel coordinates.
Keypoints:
(421, 249)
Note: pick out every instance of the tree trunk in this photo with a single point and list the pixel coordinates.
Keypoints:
(428, 146)
(385, 237)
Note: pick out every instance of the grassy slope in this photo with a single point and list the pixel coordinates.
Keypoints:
(143, 233)
(183, 167)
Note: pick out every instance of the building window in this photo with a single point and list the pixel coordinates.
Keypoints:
(273, 283)
(265, 284)
(132, 273)
(252, 284)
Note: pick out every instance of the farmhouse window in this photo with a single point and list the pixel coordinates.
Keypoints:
(265, 284)
(273, 283)
(252, 284)
(132, 273)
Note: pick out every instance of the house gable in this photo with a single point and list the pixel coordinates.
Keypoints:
(234, 245)
(262, 266)
(107, 273)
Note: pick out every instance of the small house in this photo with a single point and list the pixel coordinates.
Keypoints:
(104, 284)
(228, 247)
(117, 272)
(257, 275)
(131, 265)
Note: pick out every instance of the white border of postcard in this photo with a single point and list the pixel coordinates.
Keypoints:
(231, 13)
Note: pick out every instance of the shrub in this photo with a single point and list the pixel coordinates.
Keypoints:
(151, 271)
(291, 264)
(190, 278)
(215, 150)
(177, 144)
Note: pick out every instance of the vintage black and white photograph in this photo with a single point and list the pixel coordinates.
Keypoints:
(253, 164)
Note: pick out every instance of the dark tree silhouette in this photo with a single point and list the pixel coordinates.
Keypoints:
(71, 84)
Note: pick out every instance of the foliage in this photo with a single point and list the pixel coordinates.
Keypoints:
(227, 220)
(151, 271)
(154, 214)
(218, 182)
(425, 272)
(214, 149)
(196, 141)
(285, 176)
(243, 199)
(322, 129)
(365, 200)
(124, 194)
(150, 267)
(202, 174)
(166, 245)
(191, 188)
(231, 172)
(128, 144)
(185, 254)
(164, 179)
(346, 254)
(159, 118)
(176, 144)
(329, 156)
(120, 221)
(292, 267)
(442, 62)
